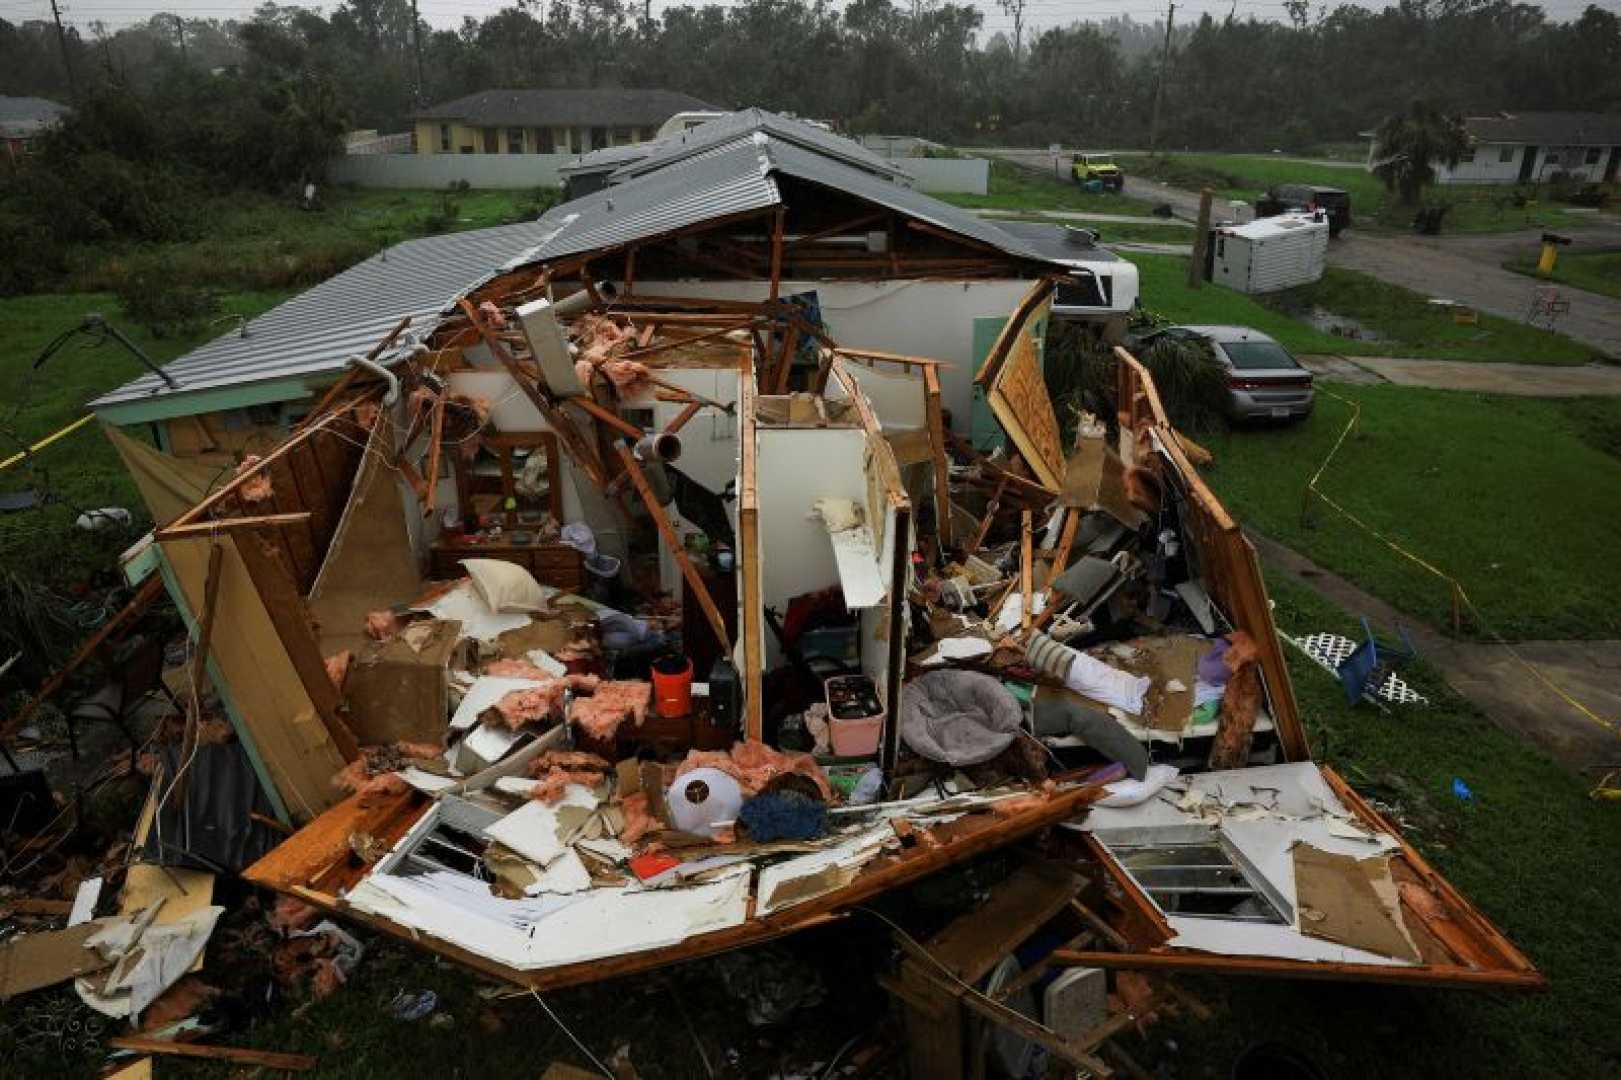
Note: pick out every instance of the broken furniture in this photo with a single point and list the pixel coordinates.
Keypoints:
(1373, 662)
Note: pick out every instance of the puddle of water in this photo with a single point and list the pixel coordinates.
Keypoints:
(1339, 325)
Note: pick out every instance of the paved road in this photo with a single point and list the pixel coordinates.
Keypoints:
(1520, 380)
(1494, 676)
(1465, 268)
(1462, 268)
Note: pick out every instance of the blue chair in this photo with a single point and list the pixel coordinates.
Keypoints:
(1371, 662)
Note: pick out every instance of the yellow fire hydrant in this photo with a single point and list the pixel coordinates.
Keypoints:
(1550, 253)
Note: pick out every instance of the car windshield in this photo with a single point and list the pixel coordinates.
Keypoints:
(1100, 159)
(1258, 355)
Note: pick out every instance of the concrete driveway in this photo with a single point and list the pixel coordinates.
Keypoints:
(1519, 380)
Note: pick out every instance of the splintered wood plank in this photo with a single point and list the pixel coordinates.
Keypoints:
(324, 842)
(976, 942)
(672, 541)
(937, 450)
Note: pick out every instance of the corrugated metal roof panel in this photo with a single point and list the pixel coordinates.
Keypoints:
(746, 122)
(318, 330)
(724, 180)
(817, 169)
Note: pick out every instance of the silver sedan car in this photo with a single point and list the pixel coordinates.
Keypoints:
(1264, 381)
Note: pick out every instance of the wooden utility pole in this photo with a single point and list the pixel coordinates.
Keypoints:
(1159, 87)
(416, 39)
(180, 35)
(1201, 240)
(62, 41)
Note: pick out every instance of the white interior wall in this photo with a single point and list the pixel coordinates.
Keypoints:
(896, 397)
(795, 467)
(931, 319)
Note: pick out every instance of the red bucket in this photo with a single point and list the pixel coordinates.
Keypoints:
(672, 686)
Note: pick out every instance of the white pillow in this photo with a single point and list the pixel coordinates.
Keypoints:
(506, 587)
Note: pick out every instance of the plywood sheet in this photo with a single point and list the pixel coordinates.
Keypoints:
(1019, 399)
(370, 564)
(260, 682)
(1350, 902)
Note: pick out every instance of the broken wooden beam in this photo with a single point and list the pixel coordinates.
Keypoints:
(268, 1059)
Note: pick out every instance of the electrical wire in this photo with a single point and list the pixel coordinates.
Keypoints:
(603, 1069)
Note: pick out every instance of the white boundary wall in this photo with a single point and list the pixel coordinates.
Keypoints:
(510, 171)
(522, 171)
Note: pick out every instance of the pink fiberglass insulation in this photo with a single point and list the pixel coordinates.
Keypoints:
(639, 819)
(382, 625)
(625, 374)
(517, 669)
(753, 765)
(600, 715)
(520, 707)
(255, 488)
(555, 770)
(337, 668)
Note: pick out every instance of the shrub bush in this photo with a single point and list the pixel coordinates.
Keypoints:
(156, 297)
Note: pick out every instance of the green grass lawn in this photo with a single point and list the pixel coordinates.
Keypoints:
(249, 240)
(1595, 271)
(1413, 327)
(1476, 208)
(1524, 851)
(1165, 293)
(1014, 188)
(81, 471)
(1407, 325)
(1518, 498)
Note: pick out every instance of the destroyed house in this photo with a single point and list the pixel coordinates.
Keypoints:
(511, 743)
(888, 266)
(643, 608)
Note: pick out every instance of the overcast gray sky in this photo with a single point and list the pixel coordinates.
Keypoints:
(445, 13)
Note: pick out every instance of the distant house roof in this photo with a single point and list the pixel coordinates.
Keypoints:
(316, 332)
(1547, 128)
(25, 117)
(565, 108)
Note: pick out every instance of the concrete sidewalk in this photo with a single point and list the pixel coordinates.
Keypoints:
(1519, 380)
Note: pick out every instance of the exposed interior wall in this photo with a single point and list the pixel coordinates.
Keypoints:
(250, 667)
(222, 438)
(708, 446)
(930, 319)
(796, 467)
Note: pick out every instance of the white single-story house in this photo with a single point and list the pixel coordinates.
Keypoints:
(1533, 148)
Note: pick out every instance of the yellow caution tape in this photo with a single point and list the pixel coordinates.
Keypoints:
(1457, 587)
(47, 440)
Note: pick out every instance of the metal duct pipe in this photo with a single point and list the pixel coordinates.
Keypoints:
(658, 446)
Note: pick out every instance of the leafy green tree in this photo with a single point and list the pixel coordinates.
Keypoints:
(1411, 144)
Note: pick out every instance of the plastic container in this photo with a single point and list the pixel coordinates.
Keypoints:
(672, 686)
(855, 718)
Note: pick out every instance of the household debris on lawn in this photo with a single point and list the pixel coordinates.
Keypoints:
(617, 620)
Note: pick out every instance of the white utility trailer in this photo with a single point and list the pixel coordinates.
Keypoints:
(1270, 254)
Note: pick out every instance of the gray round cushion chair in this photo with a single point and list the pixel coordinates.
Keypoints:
(959, 717)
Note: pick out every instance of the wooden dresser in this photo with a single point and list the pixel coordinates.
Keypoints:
(557, 565)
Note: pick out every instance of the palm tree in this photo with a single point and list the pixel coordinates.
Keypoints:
(1411, 143)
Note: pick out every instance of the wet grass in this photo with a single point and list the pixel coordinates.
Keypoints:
(1517, 498)
(1410, 326)
(1015, 188)
(1523, 850)
(1474, 208)
(1594, 271)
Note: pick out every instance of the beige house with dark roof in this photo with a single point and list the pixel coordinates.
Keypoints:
(546, 121)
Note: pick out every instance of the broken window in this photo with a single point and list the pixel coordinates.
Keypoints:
(1194, 871)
